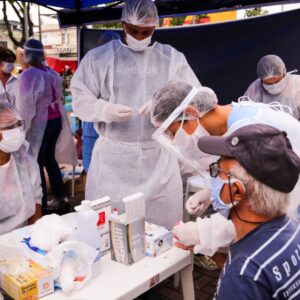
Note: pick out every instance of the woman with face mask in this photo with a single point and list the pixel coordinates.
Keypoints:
(20, 183)
(275, 84)
(7, 79)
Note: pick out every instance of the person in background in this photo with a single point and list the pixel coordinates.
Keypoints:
(39, 100)
(20, 60)
(275, 84)
(251, 182)
(204, 117)
(113, 87)
(7, 79)
(90, 135)
(20, 183)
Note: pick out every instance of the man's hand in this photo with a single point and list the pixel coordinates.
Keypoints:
(37, 215)
(198, 203)
(186, 235)
(145, 109)
(116, 113)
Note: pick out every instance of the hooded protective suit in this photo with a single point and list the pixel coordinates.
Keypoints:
(36, 90)
(126, 159)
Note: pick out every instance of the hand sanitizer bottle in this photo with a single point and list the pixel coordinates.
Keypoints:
(87, 232)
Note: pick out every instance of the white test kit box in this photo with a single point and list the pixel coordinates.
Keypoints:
(103, 208)
(158, 239)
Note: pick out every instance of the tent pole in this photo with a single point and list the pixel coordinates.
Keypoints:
(26, 21)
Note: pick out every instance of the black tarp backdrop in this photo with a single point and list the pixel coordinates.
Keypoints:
(224, 55)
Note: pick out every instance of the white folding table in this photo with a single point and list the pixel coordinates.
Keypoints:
(121, 282)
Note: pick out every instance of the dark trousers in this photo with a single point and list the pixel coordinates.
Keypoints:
(46, 159)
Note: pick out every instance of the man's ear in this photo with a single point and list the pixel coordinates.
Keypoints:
(239, 191)
(191, 111)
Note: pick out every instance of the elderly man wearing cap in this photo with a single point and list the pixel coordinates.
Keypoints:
(250, 184)
(112, 87)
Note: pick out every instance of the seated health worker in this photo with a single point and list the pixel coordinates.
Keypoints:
(275, 84)
(20, 183)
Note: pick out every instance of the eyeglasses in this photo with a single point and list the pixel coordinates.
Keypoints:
(214, 170)
(19, 123)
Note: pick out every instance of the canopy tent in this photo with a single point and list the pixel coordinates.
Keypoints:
(79, 12)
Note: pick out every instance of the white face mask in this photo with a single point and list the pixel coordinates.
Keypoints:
(8, 67)
(12, 140)
(137, 45)
(188, 143)
(275, 88)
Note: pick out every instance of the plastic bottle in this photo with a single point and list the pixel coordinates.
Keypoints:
(87, 232)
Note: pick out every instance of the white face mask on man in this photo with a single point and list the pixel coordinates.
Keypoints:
(137, 45)
(275, 88)
(12, 140)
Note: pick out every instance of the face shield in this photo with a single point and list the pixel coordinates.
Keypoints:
(180, 133)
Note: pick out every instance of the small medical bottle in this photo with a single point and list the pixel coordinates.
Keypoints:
(87, 232)
(115, 211)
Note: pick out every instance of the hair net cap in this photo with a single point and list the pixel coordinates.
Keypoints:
(8, 114)
(171, 95)
(140, 13)
(270, 66)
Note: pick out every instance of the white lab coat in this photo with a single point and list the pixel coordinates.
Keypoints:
(21, 189)
(290, 95)
(7, 92)
(126, 160)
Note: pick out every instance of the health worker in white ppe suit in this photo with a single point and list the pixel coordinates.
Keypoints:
(40, 103)
(7, 79)
(275, 84)
(112, 87)
(20, 183)
(202, 116)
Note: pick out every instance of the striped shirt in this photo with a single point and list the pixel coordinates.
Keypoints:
(264, 264)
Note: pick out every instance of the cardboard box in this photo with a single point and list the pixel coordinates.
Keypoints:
(127, 240)
(158, 239)
(33, 284)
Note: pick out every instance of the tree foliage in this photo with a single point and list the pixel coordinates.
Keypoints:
(19, 9)
(254, 12)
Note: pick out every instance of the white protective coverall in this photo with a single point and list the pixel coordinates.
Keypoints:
(125, 159)
(34, 90)
(7, 92)
(21, 190)
(221, 230)
(290, 95)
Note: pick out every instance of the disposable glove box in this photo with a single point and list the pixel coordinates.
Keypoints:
(34, 283)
